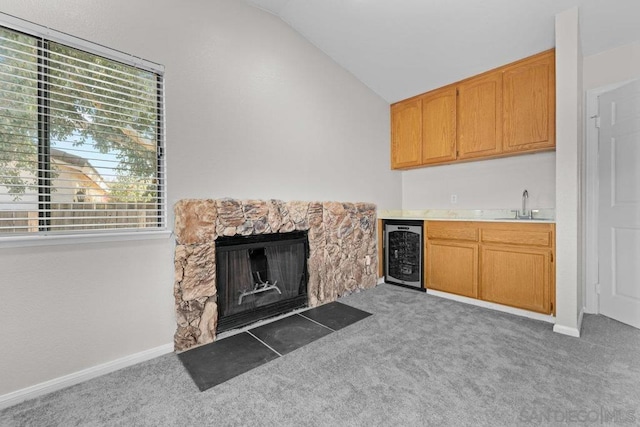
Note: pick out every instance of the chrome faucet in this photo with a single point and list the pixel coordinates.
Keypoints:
(525, 213)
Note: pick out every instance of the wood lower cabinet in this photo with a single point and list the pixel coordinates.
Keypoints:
(519, 277)
(517, 265)
(451, 257)
(453, 267)
(502, 262)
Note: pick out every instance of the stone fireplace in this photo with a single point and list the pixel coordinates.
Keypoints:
(342, 252)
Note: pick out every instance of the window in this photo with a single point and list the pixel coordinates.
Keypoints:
(81, 136)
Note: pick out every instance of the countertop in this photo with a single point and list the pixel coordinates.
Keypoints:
(488, 215)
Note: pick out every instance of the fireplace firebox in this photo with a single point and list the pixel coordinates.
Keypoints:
(260, 276)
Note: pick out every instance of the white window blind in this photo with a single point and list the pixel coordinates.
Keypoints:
(81, 139)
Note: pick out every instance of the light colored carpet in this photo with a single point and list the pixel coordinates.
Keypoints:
(419, 360)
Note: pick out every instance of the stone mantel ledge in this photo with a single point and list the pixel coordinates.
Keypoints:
(342, 252)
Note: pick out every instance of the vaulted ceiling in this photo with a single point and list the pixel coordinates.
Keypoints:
(400, 48)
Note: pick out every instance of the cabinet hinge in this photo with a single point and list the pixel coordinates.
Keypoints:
(551, 256)
(597, 121)
(551, 305)
(598, 288)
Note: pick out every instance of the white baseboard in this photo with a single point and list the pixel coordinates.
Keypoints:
(380, 280)
(567, 330)
(498, 307)
(15, 397)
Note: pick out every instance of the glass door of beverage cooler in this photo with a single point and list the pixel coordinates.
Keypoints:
(403, 253)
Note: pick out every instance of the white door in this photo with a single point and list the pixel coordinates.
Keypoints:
(619, 204)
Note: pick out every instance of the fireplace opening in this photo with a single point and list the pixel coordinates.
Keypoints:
(260, 277)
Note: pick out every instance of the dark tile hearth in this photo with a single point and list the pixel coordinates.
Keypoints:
(290, 333)
(219, 361)
(335, 315)
(215, 363)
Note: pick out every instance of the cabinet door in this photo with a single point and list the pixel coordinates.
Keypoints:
(480, 116)
(452, 267)
(439, 126)
(529, 104)
(406, 133)
(519, 277)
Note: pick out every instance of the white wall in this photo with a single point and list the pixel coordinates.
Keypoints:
(69, 307)
(250, 106)
(568, 172)
(487, 184)
(612, 66)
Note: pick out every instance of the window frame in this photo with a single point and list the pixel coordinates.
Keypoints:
(44, 36)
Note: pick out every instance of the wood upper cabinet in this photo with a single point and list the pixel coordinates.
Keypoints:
(406, 134)
(423, 130)
(502, 112)
(480, 116)
(529, 103)
(451, 258)
(439, 126)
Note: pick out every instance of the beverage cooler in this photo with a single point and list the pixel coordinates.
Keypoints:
(403, 253)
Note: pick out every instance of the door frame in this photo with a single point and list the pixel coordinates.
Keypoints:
(591, 182)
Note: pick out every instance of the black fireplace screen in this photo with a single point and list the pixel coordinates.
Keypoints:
(260, 276)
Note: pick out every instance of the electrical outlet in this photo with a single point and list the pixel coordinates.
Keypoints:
(454, 198)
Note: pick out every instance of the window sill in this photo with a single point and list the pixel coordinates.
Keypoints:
(55, 240)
